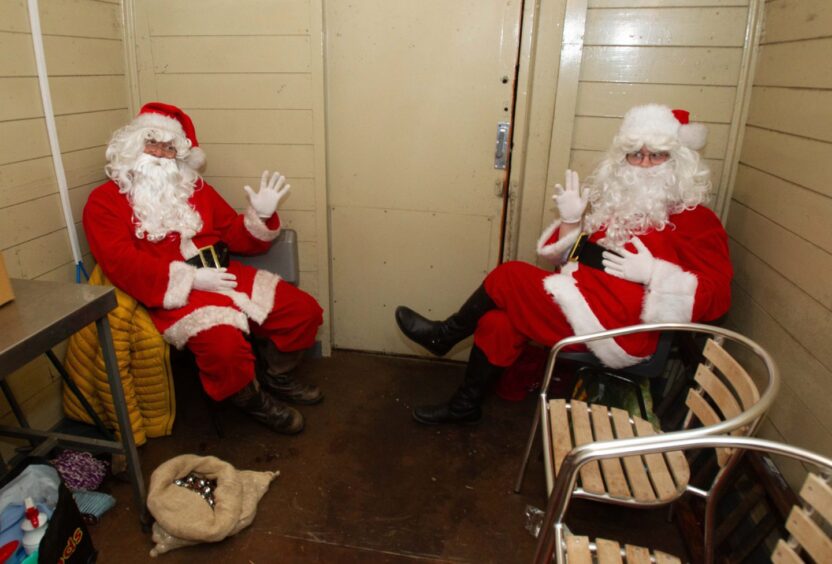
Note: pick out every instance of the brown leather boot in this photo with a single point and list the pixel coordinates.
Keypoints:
(276, 415)
(273, 373)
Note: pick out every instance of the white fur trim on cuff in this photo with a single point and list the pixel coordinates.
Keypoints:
(257, 227)
(261, 302)
(583, 321)
(669, 295)
(201, 319)
(556, 252)
(180, 281)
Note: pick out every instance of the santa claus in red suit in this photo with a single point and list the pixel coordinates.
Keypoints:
(161, 234)
(646, 251)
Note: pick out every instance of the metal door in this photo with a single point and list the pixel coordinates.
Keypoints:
(415, 95)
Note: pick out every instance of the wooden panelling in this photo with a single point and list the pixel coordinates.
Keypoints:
(243, 91)
(14, 16)
(662, 3)
(784, 251)
(807, 113)
(220, 17)
(254, 126)
(78, 199)
(23, 139)
(84, 166)
(800, 315)
(301, 221)
(806, 215)
(301, 197)
(26, 180)
(804, 64)
(75, 94)
(231, 54)
(713, 27)
(32, 258)
(82, 131)
(805, 381)
(243, 160)
(81, 56)
(30, 220)
(613, 99)
(595, 134)
(61, 17)
(19, 98)
(802, 161)
(18, 58)
(789, 20)
(668, 65)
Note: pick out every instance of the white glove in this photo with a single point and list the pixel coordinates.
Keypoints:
(571, 201)
(272, 191)
(214, 280)
(635, 267)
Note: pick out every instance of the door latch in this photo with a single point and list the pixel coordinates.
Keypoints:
(501, 152)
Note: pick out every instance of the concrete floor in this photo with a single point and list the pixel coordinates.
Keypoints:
(364, 483)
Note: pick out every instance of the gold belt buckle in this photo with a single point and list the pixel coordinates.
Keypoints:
(575, 252)
(212, 254)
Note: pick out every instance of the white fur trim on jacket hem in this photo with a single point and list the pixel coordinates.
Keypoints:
(201, 319)
(670, 294)
(261, 302)
(180, 281)
(583, 321)
(556, 252)
(257, 227)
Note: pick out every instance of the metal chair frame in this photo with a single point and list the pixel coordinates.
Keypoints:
(749, 418)
(553, 530)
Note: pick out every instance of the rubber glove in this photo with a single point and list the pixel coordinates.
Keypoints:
(214, 280)
(635, 267)
(571, 201)
(272, 191)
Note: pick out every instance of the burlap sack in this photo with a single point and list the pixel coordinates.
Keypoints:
(183, 517)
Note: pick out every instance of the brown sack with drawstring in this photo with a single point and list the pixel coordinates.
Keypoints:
(184, 518)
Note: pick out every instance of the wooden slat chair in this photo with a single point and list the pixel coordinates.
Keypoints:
(807, 525)
(724, 399)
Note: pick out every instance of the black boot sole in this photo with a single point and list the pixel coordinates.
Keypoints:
(434, 423)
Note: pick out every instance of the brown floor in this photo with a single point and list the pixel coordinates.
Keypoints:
(364, 483)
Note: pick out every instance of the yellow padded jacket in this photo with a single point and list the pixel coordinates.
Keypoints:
(143, 362)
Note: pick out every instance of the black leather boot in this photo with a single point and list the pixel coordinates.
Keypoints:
(464, 405)
(440, 336)
(276, 415)
(273, 373)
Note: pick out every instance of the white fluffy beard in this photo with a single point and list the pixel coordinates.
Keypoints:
(159, 195)
(630, 200)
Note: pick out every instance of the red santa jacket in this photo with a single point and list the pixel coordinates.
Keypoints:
(691, 282)
(156, 274)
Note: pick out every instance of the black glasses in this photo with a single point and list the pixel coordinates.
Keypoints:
(655, 157)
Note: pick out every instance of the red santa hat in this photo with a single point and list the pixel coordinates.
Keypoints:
(170, 119)
(657, 123)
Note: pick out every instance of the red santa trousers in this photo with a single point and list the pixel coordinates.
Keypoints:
(224, 356)
(526, 312)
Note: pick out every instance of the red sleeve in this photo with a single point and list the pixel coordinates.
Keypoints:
(109, 229)
(702, 247)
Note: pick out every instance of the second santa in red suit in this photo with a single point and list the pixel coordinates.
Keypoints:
(146, 228)
(647, 251)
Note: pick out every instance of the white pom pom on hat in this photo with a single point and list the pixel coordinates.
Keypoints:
(166, 117)
(655, 121)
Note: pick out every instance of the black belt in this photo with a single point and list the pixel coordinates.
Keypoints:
(586, 252)
(212, 256)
